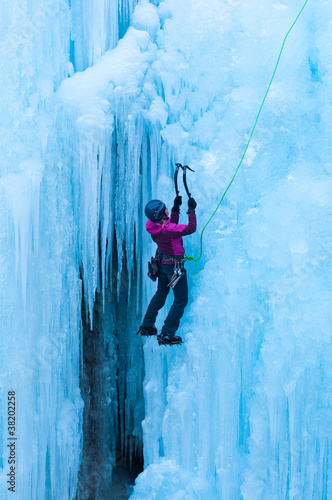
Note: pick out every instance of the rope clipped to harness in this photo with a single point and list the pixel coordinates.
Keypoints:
(249, 140)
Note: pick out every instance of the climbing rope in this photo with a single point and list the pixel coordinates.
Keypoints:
(251, 134)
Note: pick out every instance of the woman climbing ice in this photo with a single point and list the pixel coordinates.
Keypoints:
(167, 233)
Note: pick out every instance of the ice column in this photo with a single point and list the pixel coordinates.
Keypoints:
(40, 291)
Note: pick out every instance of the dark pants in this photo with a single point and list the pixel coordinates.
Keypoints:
(158, 300)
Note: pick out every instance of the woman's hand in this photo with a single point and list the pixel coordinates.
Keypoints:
(191, 206)
(177, 203)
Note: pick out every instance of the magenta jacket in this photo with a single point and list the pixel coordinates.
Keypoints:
(169, 237)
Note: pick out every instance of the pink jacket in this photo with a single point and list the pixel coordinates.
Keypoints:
(169, 237)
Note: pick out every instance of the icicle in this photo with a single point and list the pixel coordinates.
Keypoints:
(106, 218)
(18, 190)
(33, 168)
(94, 138)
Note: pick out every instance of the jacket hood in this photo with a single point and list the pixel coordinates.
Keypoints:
(154, 228)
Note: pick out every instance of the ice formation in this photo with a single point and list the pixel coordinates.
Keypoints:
(98, 102)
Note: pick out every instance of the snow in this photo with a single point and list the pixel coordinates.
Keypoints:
(99, 101)
(145, 17)
(167, 480)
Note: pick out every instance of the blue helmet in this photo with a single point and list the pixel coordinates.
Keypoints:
(155, 210)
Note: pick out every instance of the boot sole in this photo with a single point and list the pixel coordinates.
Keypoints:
(147, 334)
(168, 342)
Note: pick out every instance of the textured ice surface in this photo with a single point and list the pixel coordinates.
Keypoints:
(246, 402)
(41, 290)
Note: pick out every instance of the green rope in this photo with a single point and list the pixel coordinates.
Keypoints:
(252, 132)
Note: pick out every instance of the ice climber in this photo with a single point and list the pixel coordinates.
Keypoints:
(170, 272)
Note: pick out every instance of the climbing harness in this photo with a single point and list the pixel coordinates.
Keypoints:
(170, 259)
(178, 266)
(176, 173)
(249, 140)
(160, 258)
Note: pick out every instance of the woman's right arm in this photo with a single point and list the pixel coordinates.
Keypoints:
(179, 230)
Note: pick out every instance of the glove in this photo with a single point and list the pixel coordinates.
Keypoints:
(177, 204)
(191, 206)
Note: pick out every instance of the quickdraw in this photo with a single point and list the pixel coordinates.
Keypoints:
(178, 272)
(178, 267)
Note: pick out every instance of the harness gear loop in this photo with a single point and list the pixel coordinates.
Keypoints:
(249, 140)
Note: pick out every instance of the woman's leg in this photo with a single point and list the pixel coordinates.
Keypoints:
(157, 301)
(172, 321)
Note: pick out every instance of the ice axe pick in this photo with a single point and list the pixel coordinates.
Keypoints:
(184, 168)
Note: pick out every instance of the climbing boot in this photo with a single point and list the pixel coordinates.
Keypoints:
(168, 339)
(150, 330)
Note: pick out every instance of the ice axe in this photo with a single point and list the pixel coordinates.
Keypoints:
(184, 168)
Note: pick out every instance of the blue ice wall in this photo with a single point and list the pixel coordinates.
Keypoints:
(243, 409)
(231, 412)
(43, 43)
(96, 27)
(40, 288)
